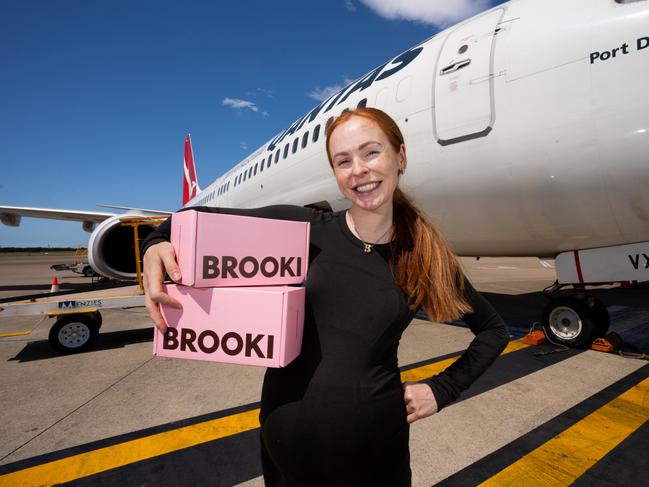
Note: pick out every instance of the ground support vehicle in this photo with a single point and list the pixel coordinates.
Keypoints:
(78, 315)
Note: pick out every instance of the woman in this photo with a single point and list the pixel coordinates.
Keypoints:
(338, 414)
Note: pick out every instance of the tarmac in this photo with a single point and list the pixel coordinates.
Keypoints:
(118, 415)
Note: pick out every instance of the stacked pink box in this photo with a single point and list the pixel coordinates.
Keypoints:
(238, 306)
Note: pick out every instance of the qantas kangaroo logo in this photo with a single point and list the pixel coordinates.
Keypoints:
(190, 184)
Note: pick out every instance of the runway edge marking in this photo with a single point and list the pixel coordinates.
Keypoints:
(568, 455)
(115, 456)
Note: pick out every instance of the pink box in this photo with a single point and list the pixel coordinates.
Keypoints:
(215, 250)
(245, 325)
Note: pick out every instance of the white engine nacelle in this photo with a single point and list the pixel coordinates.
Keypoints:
(111, 248)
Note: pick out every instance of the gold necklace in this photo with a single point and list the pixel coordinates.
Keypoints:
(367, 247)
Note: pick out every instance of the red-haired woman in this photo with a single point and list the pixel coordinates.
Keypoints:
(339, 415)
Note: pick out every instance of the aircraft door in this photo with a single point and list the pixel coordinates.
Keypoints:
(463, 91)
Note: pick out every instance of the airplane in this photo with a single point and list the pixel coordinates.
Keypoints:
(527, 135)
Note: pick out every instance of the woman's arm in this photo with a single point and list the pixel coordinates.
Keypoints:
(490, 340)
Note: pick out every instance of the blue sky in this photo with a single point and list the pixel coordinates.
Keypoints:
(97, 97)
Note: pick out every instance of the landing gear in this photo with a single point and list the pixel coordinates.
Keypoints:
(576, 320)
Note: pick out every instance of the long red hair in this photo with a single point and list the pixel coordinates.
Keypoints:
(423, 263)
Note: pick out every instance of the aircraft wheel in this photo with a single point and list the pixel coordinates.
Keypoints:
(570, 322)
(602, 318)
(74, 333)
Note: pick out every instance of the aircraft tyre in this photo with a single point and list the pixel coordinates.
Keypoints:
(74, 333)
(571, 322)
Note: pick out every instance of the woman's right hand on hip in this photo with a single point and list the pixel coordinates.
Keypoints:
(158, 259)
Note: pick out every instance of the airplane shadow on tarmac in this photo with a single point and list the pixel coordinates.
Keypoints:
(41, 349)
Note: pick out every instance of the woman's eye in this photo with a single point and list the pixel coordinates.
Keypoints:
(372, 153)
(342, 162)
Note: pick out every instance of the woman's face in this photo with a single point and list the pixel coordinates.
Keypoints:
(365, 164)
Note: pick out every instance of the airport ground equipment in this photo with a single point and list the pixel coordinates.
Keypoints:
(610, 343)
(78, 316)
(534, 337)
(80, 266)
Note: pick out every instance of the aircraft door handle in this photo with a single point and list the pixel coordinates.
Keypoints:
(451, 68)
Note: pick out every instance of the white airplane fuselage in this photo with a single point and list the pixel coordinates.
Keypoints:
(526, 128)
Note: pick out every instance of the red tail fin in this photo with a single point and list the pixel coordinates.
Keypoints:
(190, 181)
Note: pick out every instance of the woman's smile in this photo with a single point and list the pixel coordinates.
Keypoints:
(367, 188)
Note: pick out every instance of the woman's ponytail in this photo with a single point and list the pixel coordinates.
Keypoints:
(424, 265)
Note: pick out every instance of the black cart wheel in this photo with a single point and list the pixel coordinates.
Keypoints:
(570, 321)
(74, 333)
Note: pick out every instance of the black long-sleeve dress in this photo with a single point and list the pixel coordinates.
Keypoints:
(336, 415)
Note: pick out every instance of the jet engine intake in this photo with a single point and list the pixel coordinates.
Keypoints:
(111, 248)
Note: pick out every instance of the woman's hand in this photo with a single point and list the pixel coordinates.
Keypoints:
(420, 401)
(158, 259)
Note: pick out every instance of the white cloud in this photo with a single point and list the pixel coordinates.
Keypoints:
(434, 12)
(244, 145)
(267, 92)
(242, 104)
(321, 94)
(350, 5)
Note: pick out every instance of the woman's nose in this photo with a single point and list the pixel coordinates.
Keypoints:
(358, 166)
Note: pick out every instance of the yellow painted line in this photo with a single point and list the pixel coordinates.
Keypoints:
(564, 458)
(427, 371)
(71, 311)
(102, 459)
(14, 334)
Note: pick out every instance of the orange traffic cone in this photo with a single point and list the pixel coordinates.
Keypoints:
(55, 285)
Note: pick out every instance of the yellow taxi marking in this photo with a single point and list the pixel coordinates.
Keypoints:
(427, 371)
(102, 459)
(14, 334)
(564, 458)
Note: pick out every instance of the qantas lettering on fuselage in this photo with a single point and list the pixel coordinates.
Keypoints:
(380, 73)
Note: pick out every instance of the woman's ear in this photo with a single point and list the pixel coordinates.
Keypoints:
(403, 160)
